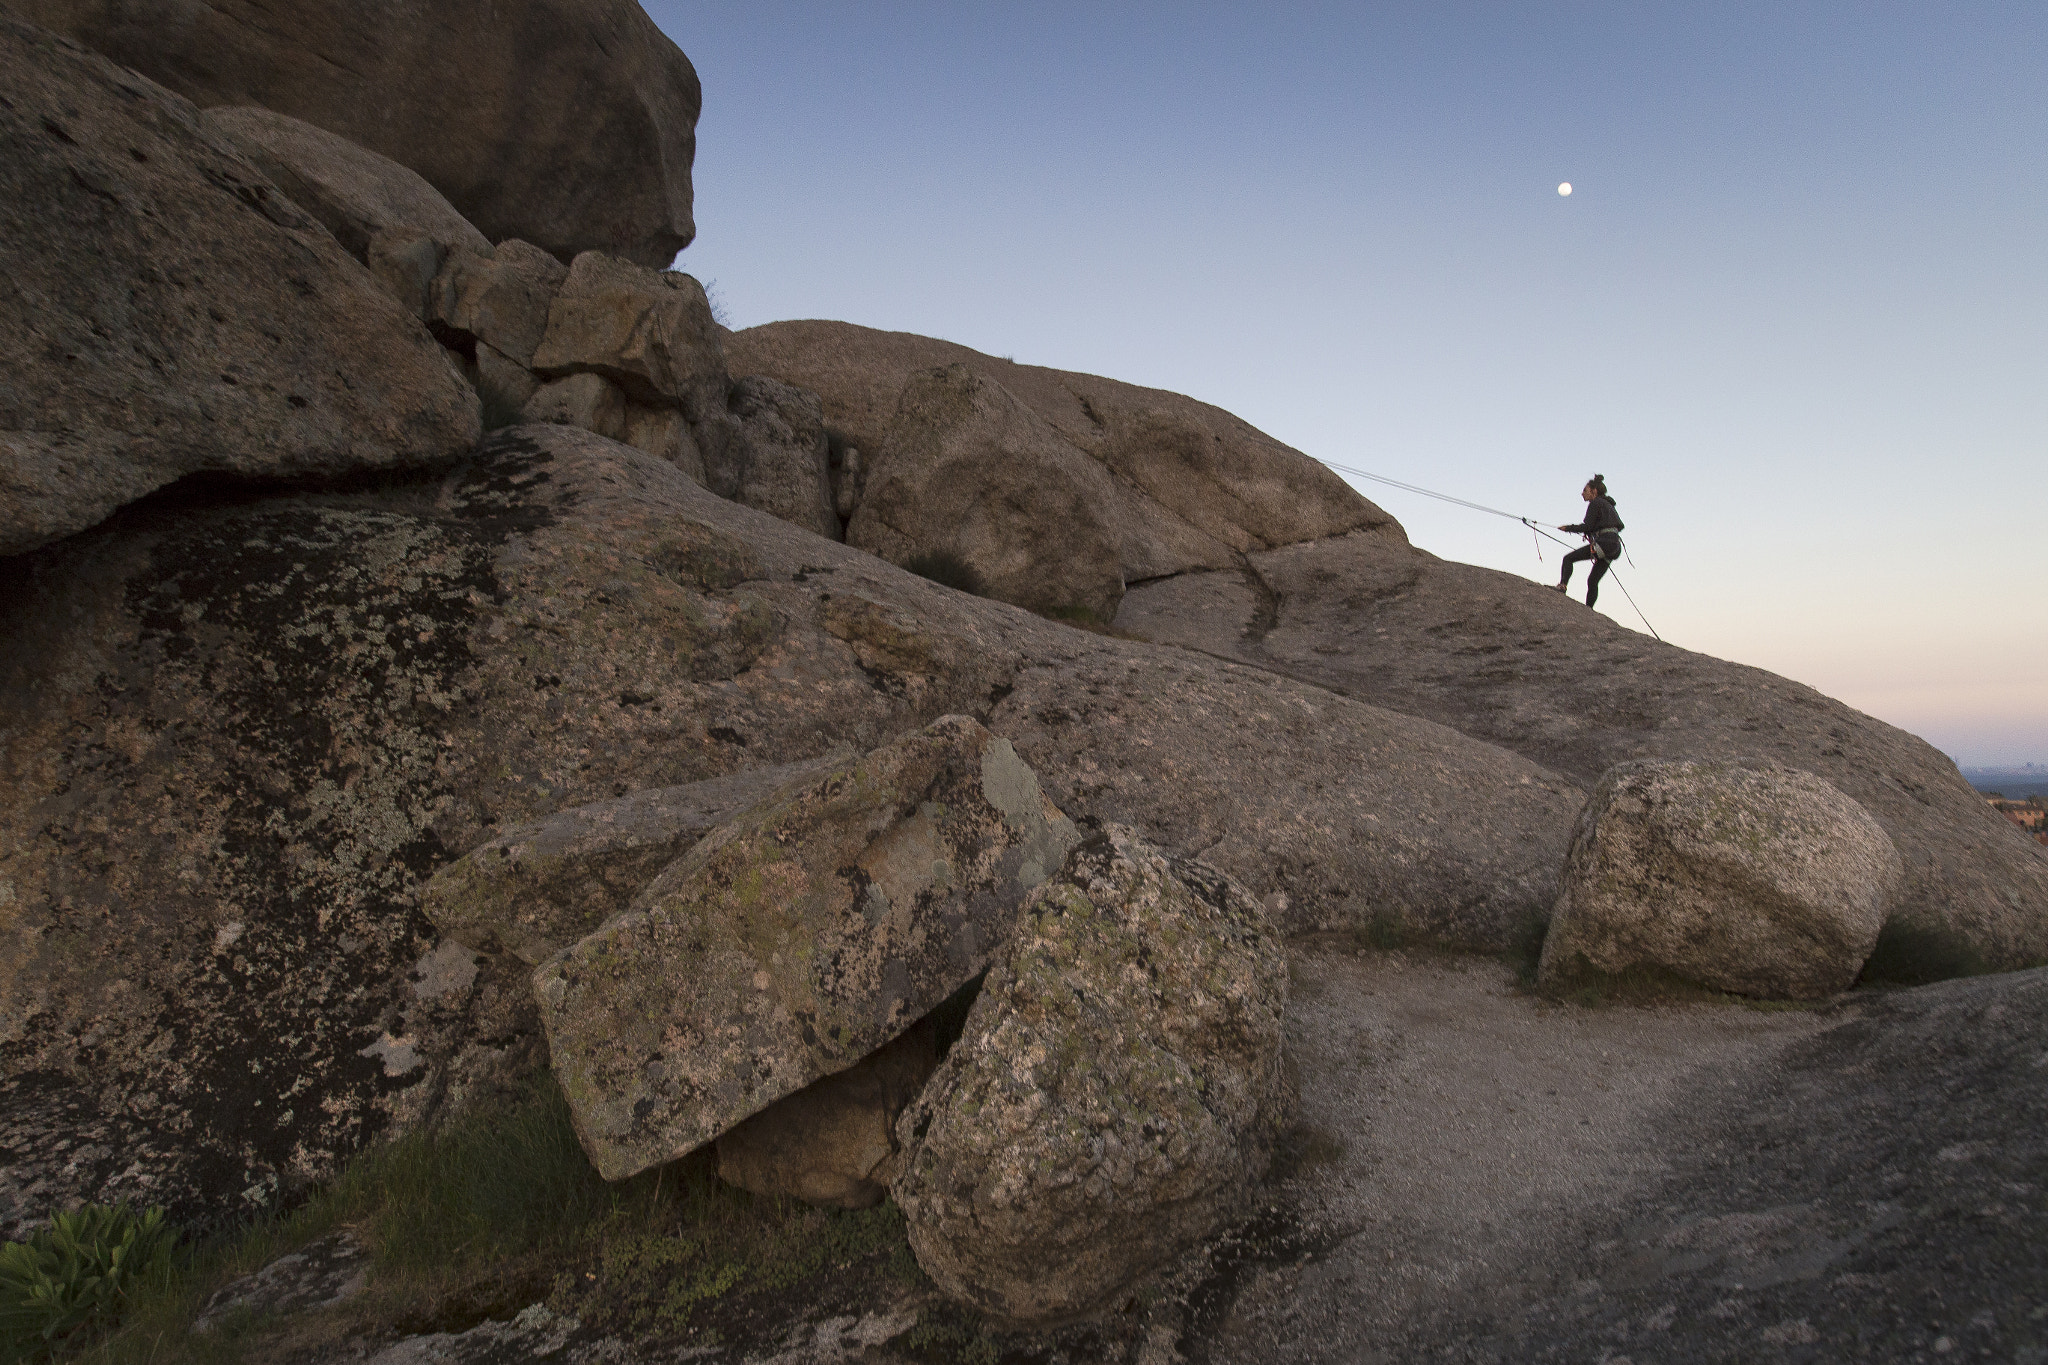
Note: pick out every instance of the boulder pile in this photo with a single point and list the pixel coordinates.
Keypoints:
(432, 648)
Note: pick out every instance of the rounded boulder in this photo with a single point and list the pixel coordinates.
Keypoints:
(1740, 875)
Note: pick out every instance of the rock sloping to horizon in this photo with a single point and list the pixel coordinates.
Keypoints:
(165, 311)
(1511, 662)
(568, 123)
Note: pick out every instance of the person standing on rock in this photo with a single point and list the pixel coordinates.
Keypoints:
(1602, 530)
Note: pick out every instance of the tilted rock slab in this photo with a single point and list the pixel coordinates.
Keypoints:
(568, 123)
(539, 886)
(354, 192)
(795, 941)
(1114, 1096)
(1193, 486)
(237, 738)
(165, 311)
(1512, 663)
(1749, 877)
(970, 472)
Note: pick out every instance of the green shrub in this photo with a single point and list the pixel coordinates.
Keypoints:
(948, 570)
(72, 1280)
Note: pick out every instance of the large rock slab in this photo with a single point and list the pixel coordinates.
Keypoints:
(1510, 662)
(970, 473)
(239, 735)
(649, 331)
(354, 192)
(489, 104)
(164, 311)
(1116, 1092)
(1193, 485)
(1743, 876)
(795, 941)
(538, 887)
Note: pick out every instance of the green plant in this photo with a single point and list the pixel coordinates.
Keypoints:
(73, 1279)
(948, 570)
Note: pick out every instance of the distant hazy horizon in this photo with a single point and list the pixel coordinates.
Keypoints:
(1795, 309)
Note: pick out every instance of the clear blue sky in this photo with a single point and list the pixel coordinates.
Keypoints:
(1796, 308)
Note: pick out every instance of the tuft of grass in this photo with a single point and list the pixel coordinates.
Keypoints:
(951, 1334)
(70, 1282)
(948, 570)
(500, 1208)
(1914, 955)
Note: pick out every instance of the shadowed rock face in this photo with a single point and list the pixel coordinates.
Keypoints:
(1191, 486)
(164, 311)
(1513, 663)
(795, 941)
(1115, 1094)
(568, 123)
(240, 735)
(1747, 877)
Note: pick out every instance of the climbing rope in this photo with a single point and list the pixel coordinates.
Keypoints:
(1529, 522)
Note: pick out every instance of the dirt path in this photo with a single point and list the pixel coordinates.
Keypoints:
(1473, 1120)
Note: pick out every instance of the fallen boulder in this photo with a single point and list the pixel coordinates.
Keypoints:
(795, 941)
(1115, 1094)
(834, 1141)
(1749, 877)
(1512, 663)
(541, 885)
(354, 192)
(1192, 486)
(498, 297)
(489, 104)
(971, 474)
(648, 331)
(164, 311)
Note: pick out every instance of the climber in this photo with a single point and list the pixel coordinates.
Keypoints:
(1601, 528)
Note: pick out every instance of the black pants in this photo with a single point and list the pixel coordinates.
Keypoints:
(1592, 580)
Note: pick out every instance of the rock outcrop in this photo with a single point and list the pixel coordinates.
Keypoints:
(1116, 1091)
(1747, 877)
(165, 311)
(567, 123)
(353, 192)
(795, 941)
(1510, 662)
(1193, 485)
(539, 886)
(969, 473)
(241, 736)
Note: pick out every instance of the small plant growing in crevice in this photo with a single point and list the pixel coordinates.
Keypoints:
(72, 1281)
(948, 570)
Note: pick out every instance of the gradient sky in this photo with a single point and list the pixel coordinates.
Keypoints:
(1796, 308)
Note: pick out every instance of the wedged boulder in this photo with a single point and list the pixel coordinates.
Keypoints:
(589, 401)
(499, 296)
(352, 191)
(1510, 662)
(777, 461)
(795, 941)
(665, 434)
(538, 887)
(969, 472)
(1193, 485)
(1115, 1094)
(164, 311)
(649, 331)
(1749, 877)
(834, 1141)
(489, 104)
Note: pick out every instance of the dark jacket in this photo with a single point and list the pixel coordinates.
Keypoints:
(1601, 521)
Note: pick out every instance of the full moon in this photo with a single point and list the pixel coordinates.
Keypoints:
(1565, 189)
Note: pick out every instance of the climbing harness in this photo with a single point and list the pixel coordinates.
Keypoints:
(1529, 522)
